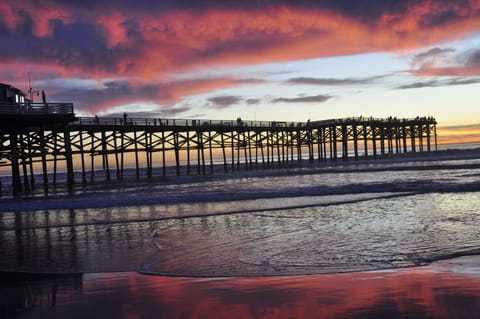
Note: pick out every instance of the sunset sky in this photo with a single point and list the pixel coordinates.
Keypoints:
(258, 60)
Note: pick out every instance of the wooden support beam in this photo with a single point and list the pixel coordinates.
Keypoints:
(276, 144)
(68, 158)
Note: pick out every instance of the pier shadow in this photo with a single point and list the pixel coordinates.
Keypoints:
(20, 293)
(72, 241)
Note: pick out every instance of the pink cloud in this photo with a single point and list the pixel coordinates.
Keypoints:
(446, 62)
(42, 17)
(149, 44)
(183, 40)
(109, 41)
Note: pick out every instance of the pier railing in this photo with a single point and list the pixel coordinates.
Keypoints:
(241, 123)
(183, 122)
(36, 108)
(374, 120)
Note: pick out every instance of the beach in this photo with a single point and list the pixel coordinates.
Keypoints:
(389, 238)
(445, 289)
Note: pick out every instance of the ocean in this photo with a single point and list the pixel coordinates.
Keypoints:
(274, 233)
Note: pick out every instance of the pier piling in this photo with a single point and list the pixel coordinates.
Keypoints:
(64, 148)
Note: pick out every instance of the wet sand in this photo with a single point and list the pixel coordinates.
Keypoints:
(98, 242)
(444, 289)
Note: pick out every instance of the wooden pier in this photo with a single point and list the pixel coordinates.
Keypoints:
(86, 149)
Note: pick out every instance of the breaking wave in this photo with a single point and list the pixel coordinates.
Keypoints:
(300, 220)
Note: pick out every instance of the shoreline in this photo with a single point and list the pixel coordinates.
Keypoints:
(459, 263)
(463, 264)
(241, 171)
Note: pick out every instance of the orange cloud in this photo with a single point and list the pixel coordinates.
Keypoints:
(447, 71)
(182, 40)
(101, 42)
(190, 40)
(148, 44)
(115, 32)
(429, 22)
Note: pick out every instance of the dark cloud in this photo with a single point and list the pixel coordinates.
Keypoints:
(252, 101)
(159, 113)
(304, 99)
(75, 46)
(436, 13)
(439, 16)
(432, 58)
(333, 81)
(447, 62)
(135, 111)
(439, 83)
(133, 115)
(432, 53)
(473, 59)
(95, 99)
(418, 85)
(462, 81)
(225, 101)
(365, 10)
(374, 8)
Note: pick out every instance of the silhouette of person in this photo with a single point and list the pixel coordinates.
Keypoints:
(44, 97)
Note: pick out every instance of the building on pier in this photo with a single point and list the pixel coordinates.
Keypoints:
(17, 110)
(19, 117)
(10, 94)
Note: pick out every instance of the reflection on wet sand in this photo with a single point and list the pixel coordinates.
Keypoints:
(72, 247)
(414, 293)
(380, 233)
(22, 293)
